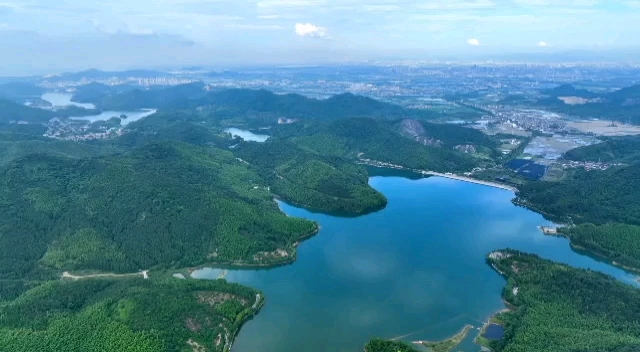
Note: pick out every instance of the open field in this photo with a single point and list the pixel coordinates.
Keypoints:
(604, 128)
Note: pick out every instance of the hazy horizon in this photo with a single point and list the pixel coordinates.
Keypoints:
(44, 36)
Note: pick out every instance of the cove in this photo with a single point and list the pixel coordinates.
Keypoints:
(415, 270)
(247, 135)
(131, 116)
(63, 99)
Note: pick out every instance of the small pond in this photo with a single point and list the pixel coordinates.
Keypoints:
(247, 135)
(494, 332)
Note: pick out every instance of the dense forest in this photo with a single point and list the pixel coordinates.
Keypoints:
(597, 197)
(559, 308)
(21, 140)
(568, 90)
(379, 345)
(379, 140)
(126, 314)
(258, 105)
(95, 92)
(164, 204)
(617, 242)
(346, 138)
(20, 91)
(176, 191)
(11, 111)
(612, 149)
(312, 180)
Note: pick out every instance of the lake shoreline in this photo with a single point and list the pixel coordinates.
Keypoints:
(493, 318)
(588, 251)
(446, 344)
(451, 176)
(240, 265)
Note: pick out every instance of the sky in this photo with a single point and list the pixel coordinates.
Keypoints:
(52, 35)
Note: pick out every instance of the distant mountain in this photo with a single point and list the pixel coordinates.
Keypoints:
(258, 104)
(620, 105)
(20, 91)
(567, 90)
(174, 97)
(99, 74)
(93, 92)
(384, 141)
(629, 95)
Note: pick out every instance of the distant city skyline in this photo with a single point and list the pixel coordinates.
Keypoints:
(40, 36)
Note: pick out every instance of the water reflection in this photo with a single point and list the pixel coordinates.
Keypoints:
(414, 270)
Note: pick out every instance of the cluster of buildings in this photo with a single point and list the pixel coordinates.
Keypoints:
(79, 130)
(587, 165)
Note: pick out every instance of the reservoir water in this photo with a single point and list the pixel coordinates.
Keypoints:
(247, 135)
(415, 270)
(64, 99)
(106, 115)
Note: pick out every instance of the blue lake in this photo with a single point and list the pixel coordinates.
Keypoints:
(58, 100)
(494, 332)
(247, 135)
(415, 270)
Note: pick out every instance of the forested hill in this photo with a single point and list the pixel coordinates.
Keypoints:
(300, 107)
(126, 314)
(18, 141)
(255, 104)
(383, 141)
(13, 111)
(590, 196)
(620, 243)
(612, 149)
(164, 204)
(20, 90)
(380, 345)
(174, 97)
(312, 180)
(561, 308)
(94, 92)
(568, 90)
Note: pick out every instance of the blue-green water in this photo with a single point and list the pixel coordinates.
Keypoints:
(415, 269)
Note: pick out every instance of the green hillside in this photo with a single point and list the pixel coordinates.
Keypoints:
(379, 140)
(126, 314)
(379, 345)
(256, 106)
(617, 242)
(311, 179)
(612, 149)
(597, 197)
(164, 204)
(13, 111)
(558, 308)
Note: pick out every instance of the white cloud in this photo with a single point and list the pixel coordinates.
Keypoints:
(456, 4)
(543, 44)
(381, 7)
(310, 30)
(569, 3)
(473, 42)
(288, 3)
